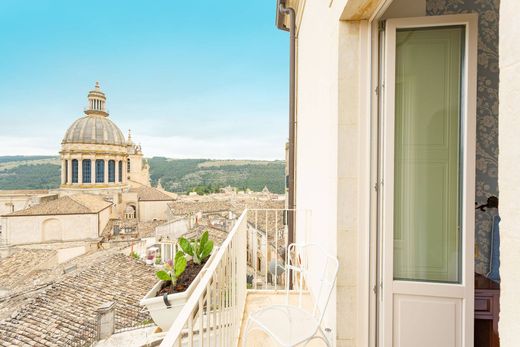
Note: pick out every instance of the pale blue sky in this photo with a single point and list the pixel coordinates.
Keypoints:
(193, 79)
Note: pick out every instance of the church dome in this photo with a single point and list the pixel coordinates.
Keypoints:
(95, 127)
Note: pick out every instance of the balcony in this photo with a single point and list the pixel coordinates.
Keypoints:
(246, 274)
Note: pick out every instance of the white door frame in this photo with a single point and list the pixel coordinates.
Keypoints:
(465, 289)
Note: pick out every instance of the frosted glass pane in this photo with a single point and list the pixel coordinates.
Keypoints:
(427, 154)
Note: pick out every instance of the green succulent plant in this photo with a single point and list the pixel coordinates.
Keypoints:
(173, 269)
(198, 249)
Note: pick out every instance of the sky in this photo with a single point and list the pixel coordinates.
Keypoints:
(192, 79)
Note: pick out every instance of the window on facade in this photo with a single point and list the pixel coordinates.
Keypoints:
(111, 171)
(100, 171)
(86, 168)
(130, 212)
(120, 171)
(74, 171)
(128, 165)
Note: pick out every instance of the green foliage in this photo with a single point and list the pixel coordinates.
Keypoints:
(199, 249)
(206, 189)
(176, 175)
(135, 255)
(187, 175)
(172, 271)
(14, 158)
(41, 176)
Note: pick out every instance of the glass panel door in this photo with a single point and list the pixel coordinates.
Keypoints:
(427, 166)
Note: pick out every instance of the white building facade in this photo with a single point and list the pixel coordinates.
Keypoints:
(397, 119)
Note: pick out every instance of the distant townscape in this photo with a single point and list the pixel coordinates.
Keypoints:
(83, 234)
(175, 175)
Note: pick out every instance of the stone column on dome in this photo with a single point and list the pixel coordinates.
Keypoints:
(92, 170)
(63, 171)
(125, 168)
(105, 179)
(69, 170)
(118, 159)
(80, 169)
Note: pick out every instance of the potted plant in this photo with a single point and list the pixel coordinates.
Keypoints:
(178, 279)
(149, 259)
(158, 259)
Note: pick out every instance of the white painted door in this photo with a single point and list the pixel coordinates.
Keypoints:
(428, 169)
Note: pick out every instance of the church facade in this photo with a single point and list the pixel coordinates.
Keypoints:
(105, 181)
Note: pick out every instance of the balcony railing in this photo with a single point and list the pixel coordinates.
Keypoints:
(213, 313)
(251, 257)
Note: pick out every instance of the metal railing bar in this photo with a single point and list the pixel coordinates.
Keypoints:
(177, 327)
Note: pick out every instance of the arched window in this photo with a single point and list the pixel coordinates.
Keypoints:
(130, 212)
(87, 169)
(74, 171)
(111, 171)
(120, 171)
(128, 165)
(100, 171)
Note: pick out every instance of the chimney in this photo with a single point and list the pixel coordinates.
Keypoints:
(106, 322)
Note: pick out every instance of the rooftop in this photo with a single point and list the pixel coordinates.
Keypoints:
(64, 313)
(19, 269)
(73, 204)
(145, 193)
(183, 207)
(24, 192)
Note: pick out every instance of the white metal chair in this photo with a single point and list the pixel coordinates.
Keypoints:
(290, 325)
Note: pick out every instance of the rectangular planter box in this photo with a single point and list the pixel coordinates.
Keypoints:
(164, 315)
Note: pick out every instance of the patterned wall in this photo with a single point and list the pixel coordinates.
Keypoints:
(487, 111)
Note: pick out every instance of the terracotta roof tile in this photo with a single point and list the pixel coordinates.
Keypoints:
(145, 193)
(74, 204)
(64, 314)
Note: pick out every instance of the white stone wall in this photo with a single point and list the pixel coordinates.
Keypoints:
(66, 254)
(38, 229)
(150, 210)
(104, 217)
(139, 171)
(13, 203)
(333, 156)
(509, 177)
(174, 229)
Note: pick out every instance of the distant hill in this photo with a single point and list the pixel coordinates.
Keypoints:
(176, 175)
(29, 172)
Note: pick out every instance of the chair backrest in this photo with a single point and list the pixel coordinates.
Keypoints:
(309, 265)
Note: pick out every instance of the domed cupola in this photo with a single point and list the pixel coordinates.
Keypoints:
(95, 127)
(94, 151)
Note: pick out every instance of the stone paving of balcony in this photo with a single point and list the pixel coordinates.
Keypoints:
(260, 299)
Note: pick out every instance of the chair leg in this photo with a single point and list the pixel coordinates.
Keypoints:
(324, 337)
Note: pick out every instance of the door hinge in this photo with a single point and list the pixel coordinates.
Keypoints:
(381, 26)
(379, 88)
(377, 185)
